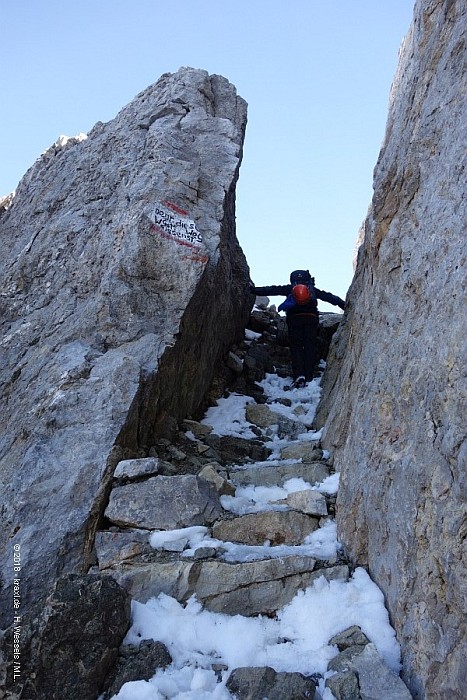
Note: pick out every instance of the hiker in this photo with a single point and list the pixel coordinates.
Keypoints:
(301, 308)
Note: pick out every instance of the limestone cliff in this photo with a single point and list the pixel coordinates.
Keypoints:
(396, 390)
(122, 284)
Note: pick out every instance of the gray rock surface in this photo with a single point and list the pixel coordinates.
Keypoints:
(395, 395)
(121, 277)
(305, 451)
(352, 636)
(164, 503)
(375, 679)
(312, 473)
(136, 663)
(223, 487)
(232, 449)
(69, 645)
(147, 580)
(344, 686)
(251, 588)
(267, 597)
(113, 547)
(276, 527)
(261, 415)
(199, 430)
(345, 660)
(309, 502)
(246, 588)
(257, 683)
(129, 469)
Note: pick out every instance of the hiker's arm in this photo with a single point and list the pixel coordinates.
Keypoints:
(271, 291)
(330, 298)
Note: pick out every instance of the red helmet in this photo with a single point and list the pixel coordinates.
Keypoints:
(301, 293)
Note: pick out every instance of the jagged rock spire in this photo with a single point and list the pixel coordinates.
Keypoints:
(122, 285)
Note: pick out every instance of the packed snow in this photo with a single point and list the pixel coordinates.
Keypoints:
(228, 417)
(253, 499)
(320, 544)
(297, 639)
(63, 140)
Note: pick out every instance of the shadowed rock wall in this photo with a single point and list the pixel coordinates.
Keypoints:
(122, 285)
(396, 391)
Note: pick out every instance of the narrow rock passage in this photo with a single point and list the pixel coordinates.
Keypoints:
(235, 566)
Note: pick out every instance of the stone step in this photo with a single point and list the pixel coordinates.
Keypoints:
(247, 588)
(265, 417)
(231, 449)
(164, 503)
(264, 475)
(276, 527)
(302, 450)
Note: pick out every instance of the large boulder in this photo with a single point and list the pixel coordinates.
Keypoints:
(164, 503)
(69, 644)
(396, 390)
(122, 279)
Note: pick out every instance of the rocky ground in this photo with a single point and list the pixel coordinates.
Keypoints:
(208, 540)
(228, 516)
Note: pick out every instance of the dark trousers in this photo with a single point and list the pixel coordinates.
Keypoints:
(303, 332)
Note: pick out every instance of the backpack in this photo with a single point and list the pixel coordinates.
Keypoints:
(303, 290)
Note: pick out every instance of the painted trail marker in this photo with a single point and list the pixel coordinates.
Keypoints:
(171, 222)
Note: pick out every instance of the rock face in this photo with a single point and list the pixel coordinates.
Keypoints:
(121, 278)
(70, 644)
(396, 401)
(159, 503)
(252, 683)
(278, 528)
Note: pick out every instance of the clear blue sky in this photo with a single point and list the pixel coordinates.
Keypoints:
(316, 76)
